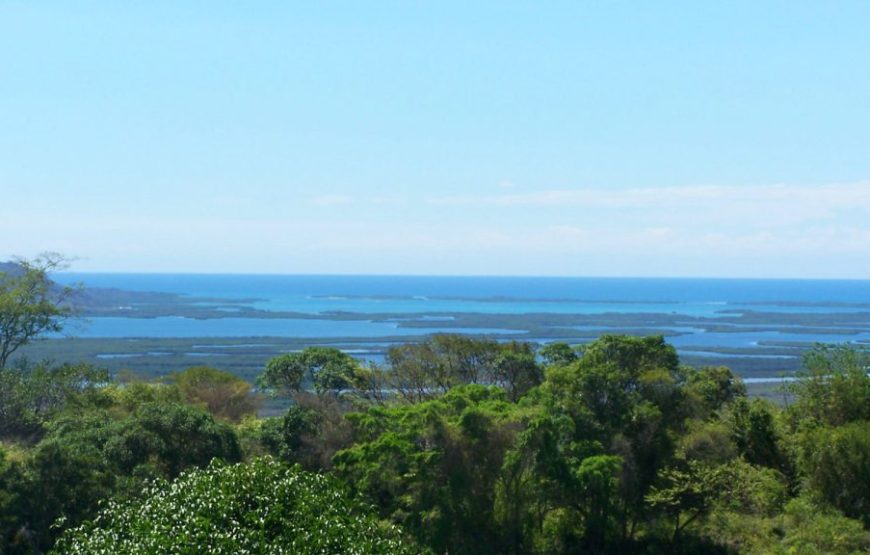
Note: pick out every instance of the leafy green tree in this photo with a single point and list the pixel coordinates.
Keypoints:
(751, 489)
(31, 305)
(516, 370)
(597, 479)
(86, 458)
(127, 397)
(223, 394)
(329, 370)
(688, 493)
(558, 354)
(259, 507)
(285, 437)
(422, 371)
(466, 360)
(171, 438)
(801, 526)
(626, 395)
(416, 373)
(6, 496)
(691, 489)
(538, 495)
(710, 442)
(284, 374)
(432, 467)
(13, 536)
(31, 396)
(632, 355)
(617, 372)
(65, 478)
(834, 386)
(710, 389)
(310, 433)
(817, 530)
(754, 432)
(836, 464)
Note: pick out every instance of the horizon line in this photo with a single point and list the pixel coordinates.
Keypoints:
(461, 276)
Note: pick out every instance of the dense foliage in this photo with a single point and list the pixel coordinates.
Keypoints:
(614, 447)
(259, 507)
(467, 446)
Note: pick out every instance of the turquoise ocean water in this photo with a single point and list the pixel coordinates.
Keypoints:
(434, 296)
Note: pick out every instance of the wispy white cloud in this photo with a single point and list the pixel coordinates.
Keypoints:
(703, 209)
(812, 244)
(829, 196)
(777, 230)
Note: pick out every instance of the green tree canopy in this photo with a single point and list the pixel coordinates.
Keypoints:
(31, 396)
(423, 371)
(834, 386)
(86, 458)
(558, 354)
(836, 465)
(30, 303)
(326, 368)
(259, 507)
(224, 394)
(432, 466)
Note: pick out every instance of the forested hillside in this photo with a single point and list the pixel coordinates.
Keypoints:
(455, 446)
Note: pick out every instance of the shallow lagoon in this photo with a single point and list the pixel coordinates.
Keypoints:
(438, 300)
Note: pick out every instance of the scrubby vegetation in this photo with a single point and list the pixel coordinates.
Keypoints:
(455, 446)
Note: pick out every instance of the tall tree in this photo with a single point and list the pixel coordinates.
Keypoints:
(328, 369)
(31, 304)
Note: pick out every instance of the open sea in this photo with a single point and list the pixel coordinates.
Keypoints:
(312, 293)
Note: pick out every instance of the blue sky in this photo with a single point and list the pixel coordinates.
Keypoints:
(520, 138)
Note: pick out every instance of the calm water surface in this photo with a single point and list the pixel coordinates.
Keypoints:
(495, 295)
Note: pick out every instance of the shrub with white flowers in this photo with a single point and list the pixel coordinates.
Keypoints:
(254, 508)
